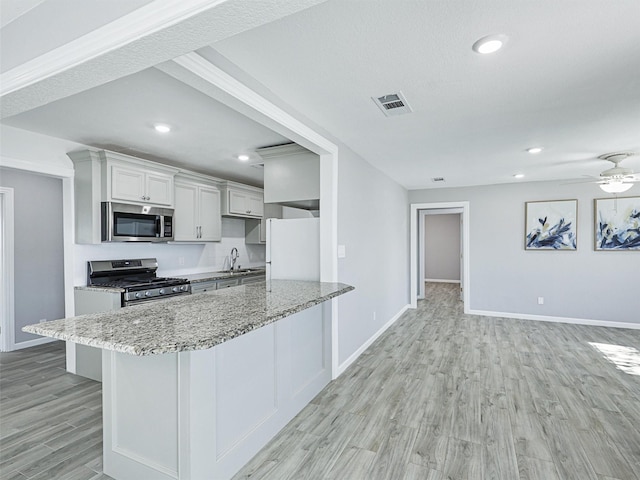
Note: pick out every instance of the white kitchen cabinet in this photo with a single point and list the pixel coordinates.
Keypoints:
(103, 176)
(140, 185)
(291, 176)
(197, 212)
(242, 200)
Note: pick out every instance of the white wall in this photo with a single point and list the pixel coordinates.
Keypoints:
(32, 151)
(582, 284)
(373, 226)
(442, 247)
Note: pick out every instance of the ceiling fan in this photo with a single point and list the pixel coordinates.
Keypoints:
(617, 179)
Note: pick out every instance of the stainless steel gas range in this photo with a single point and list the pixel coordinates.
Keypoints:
(137, 277)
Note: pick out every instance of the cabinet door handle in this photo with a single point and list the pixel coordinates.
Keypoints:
(248, 211)
(143, 197)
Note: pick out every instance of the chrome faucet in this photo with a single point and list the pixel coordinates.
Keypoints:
(233, 256)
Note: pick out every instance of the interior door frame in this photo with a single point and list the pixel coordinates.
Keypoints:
(422, 243)
(7, 334)
(415, 246)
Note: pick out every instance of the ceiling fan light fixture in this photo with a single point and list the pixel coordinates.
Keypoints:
(615, 186)
(489, 44)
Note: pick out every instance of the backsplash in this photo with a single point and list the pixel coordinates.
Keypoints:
(176, 259)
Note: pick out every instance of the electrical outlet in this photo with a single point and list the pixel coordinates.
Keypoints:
(181, 261)
(540, 300)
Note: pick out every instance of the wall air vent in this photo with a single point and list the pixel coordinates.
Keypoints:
(392, 104)
(437, 179)
(259, 166)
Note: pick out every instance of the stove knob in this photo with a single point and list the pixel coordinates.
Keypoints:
(138, 295)
(147, 293)
(161, 291)
(175, 289)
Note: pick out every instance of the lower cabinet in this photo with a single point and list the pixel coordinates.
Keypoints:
(220, 283)
(197, 212)
(87, 361)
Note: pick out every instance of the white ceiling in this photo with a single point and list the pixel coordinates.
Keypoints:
(568, 79)
(119, 116)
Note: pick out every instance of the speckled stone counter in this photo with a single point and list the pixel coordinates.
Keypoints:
(190, 322)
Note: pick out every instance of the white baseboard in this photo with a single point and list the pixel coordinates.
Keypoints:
(352, 358)
(440, 280)
(33, 343)
(546, 318)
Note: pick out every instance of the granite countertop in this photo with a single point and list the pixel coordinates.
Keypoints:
(190, 322)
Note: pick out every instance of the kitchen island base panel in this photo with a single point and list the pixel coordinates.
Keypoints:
(203, 414)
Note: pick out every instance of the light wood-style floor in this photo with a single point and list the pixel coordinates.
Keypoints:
(441, 395)
(50, 420)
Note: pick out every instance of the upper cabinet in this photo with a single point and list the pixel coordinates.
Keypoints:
(136, 181)
(105, 176)
(197, 210)
(141, 186)
(240, 200)
(291, 176)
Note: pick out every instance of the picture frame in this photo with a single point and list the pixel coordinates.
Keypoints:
(551, 225)
(617, 224)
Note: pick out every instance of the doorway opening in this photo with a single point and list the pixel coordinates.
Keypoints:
(419, 212)
(440, 248)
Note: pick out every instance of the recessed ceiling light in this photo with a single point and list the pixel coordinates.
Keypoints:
(534, 149)
(519, 175)
(243, 158)
(162, 128)
(489, 44)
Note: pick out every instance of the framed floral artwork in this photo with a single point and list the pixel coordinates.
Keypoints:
(617, 223)
(551, 225)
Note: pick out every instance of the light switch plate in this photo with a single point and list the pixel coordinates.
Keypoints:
(342, 251)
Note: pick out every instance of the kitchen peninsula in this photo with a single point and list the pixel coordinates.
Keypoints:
(194, 386)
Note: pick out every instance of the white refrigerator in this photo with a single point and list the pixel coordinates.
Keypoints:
(293, 249)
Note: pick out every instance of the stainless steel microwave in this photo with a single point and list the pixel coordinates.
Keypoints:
(123, 222)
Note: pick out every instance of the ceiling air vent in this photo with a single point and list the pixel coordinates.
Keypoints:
(437, 179)
(392, 104)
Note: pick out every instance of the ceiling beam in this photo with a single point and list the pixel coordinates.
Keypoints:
(152, 34)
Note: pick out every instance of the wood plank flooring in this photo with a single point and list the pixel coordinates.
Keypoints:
(441, 395)
(50, 420)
